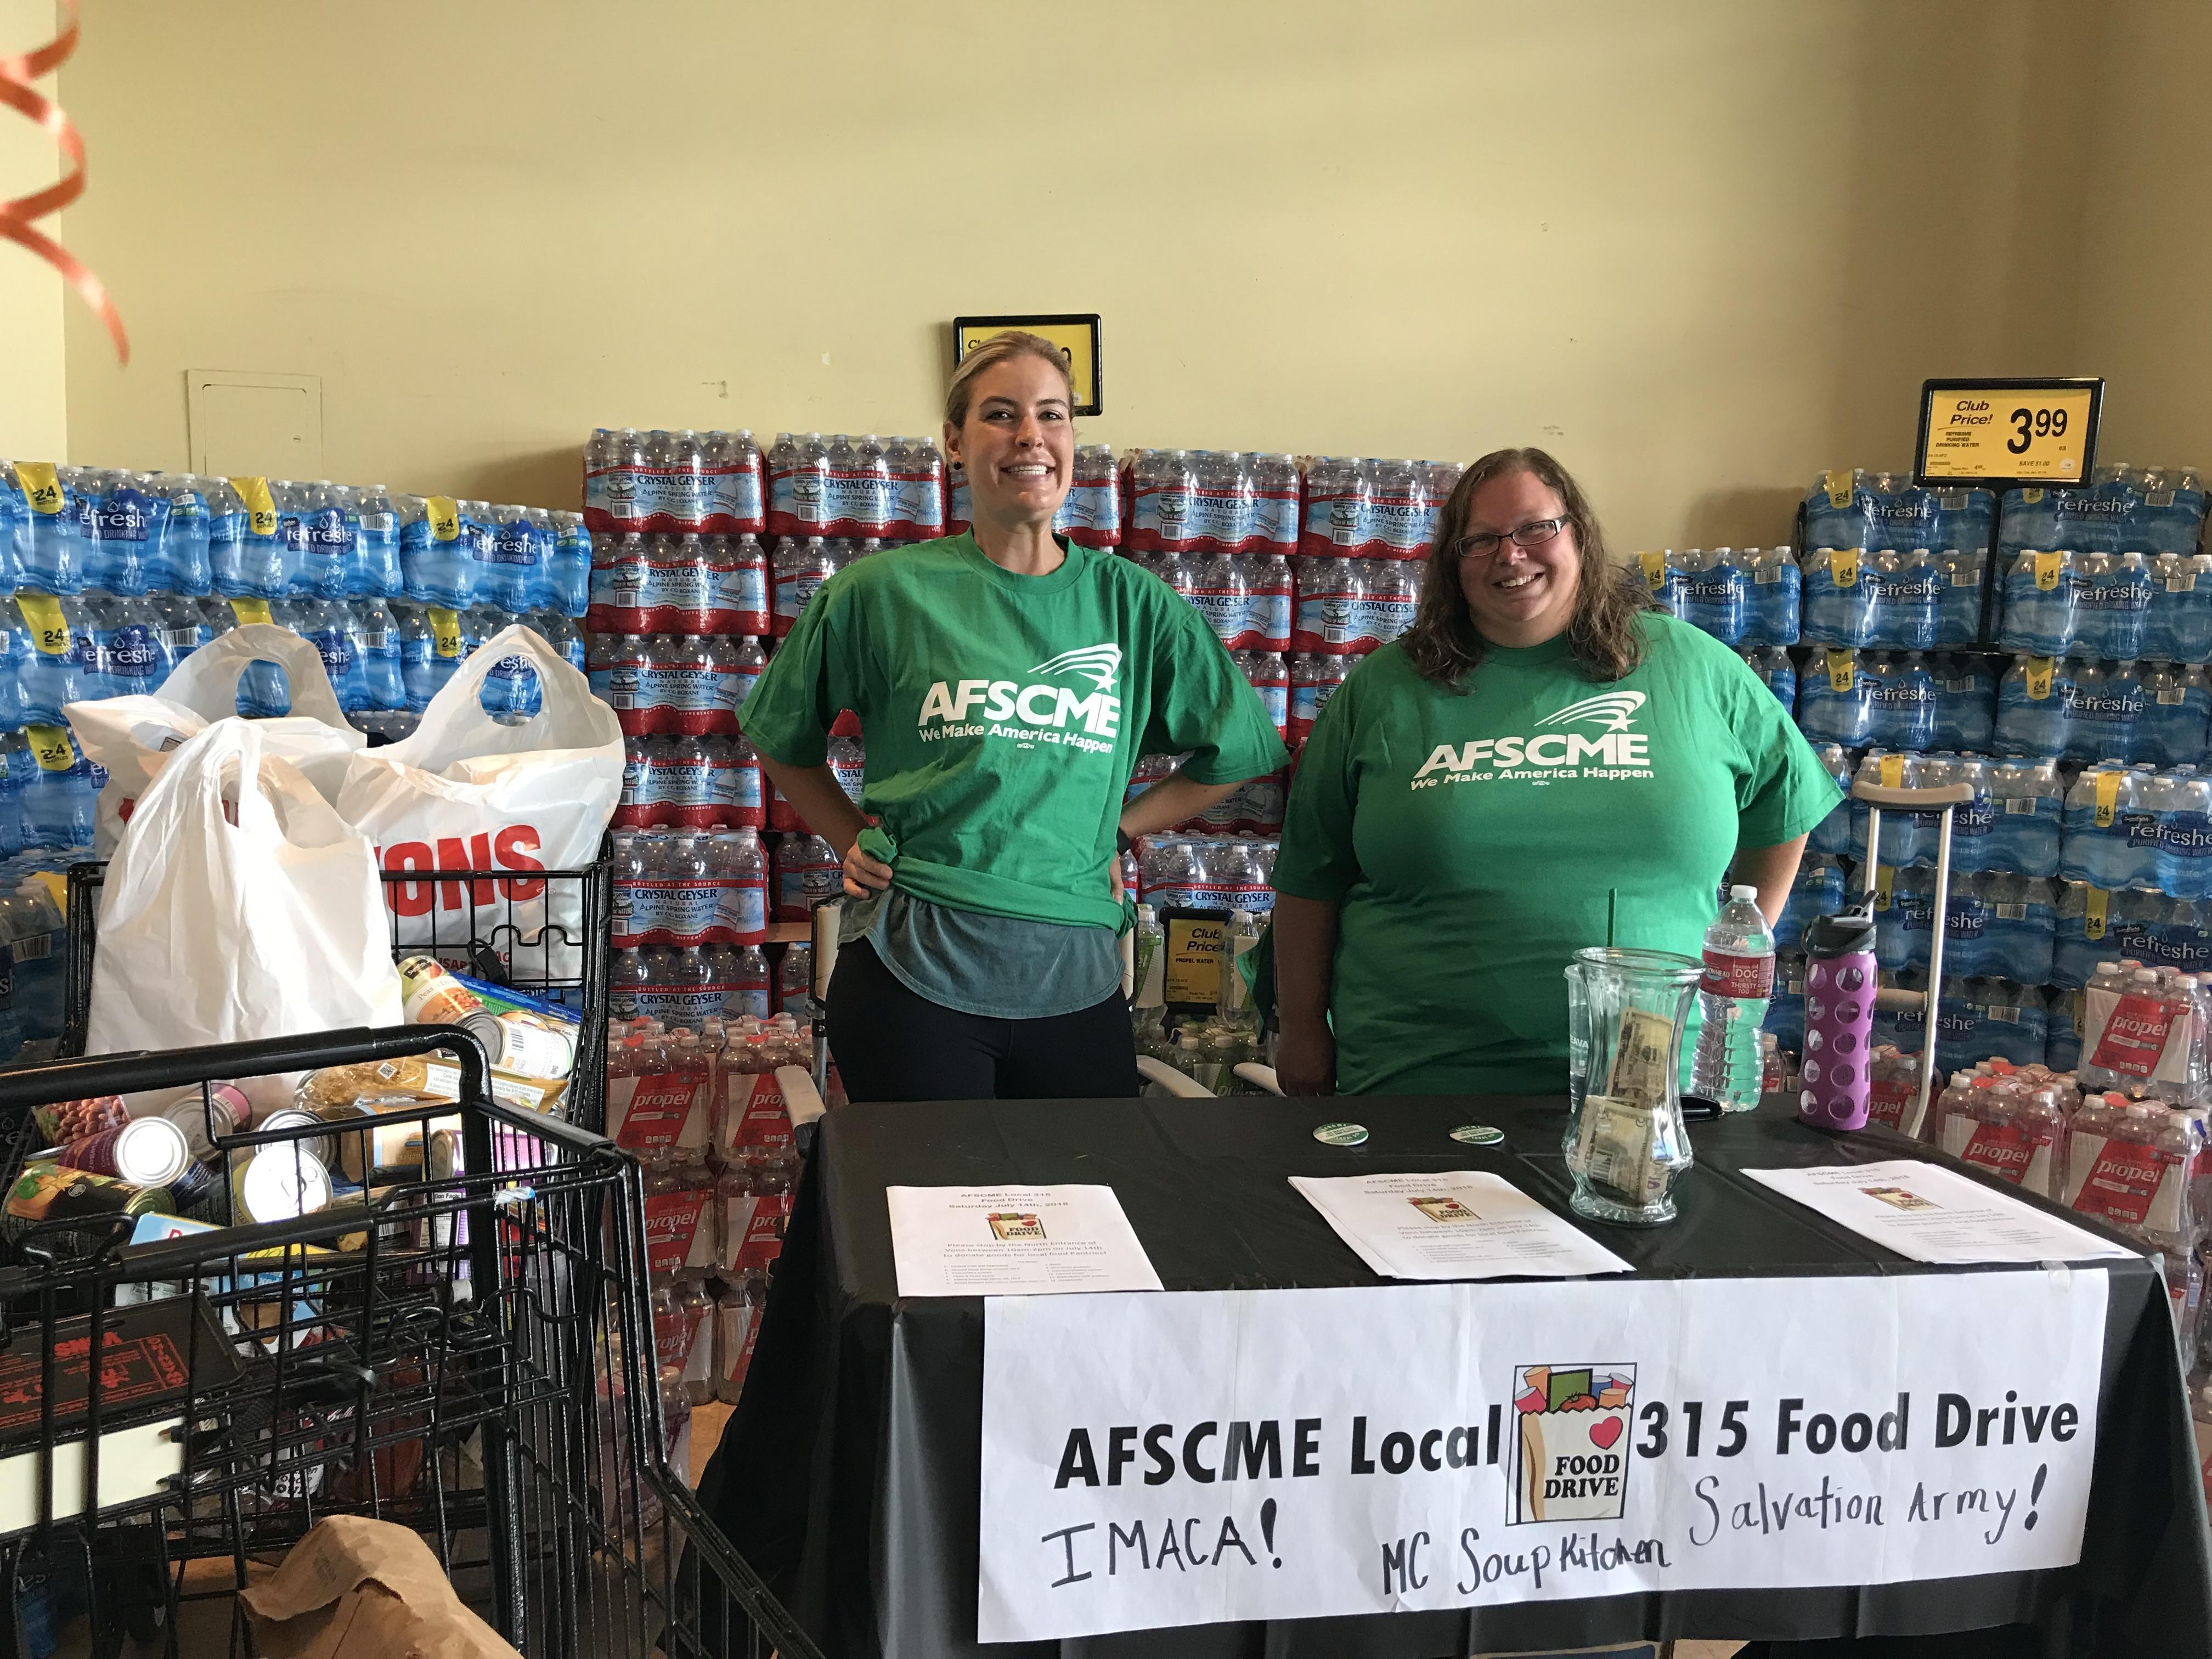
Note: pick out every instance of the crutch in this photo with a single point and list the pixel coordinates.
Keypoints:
(826, 919)
(1945, 798)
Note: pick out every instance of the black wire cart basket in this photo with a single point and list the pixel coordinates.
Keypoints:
(462, 1346)
(541, 931)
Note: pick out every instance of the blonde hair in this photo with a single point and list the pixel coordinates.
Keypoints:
(1604, 633)
(1002, 347)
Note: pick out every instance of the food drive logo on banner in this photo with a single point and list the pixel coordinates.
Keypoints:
(1929, 1427)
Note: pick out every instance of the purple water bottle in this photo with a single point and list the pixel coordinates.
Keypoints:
(1840, 981)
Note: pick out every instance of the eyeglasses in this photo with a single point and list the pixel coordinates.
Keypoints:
(1534, 533)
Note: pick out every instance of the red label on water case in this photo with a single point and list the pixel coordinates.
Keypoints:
(2002, 1149)
(2122, 1183)
(1886, 1100)
(2134, 1037)
(670, 1221)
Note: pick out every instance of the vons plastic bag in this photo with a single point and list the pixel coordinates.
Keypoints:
(467, 792)
(134, 736)
(238, 905)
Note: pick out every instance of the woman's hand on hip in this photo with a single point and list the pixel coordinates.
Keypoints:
(865, 875)
(1305, 1058)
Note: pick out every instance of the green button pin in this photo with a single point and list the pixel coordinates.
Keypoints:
(1340, 1135)
(1477, 1134)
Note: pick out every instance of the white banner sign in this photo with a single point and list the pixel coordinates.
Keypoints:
(1180, 1459)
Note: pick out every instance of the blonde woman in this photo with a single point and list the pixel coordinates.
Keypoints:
(1538, 751)
(1006, 681)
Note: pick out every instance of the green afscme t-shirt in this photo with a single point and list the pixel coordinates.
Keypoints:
(1003, 715)
(1472, 841)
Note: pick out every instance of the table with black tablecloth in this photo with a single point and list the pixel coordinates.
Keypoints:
(849, 1472)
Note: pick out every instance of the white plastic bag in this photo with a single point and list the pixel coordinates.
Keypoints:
(212, 931)
(132, 737)
(467, 792)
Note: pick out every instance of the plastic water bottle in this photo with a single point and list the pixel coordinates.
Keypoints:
(434, 555)
(418, 658)
(57, 791)
(15, 761)
(52, 665)
(180, 562)
(569, 578)
(332, 631)
(375, 634)
(373, 569)
(134, 656)
(39, 944)
(1732, 1002)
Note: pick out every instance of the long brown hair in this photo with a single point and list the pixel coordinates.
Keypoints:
(1443, 645)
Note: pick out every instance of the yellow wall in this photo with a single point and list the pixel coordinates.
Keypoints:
(2147, 247)
(1701, 249)
(34, 392)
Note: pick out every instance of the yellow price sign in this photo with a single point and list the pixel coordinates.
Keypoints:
(2007, 432)
(1193, 955)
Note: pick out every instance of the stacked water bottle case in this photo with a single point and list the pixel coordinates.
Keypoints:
(2090, 836)
(708, 548)
(117, 576)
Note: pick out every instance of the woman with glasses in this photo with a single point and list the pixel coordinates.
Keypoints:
(1538, 751)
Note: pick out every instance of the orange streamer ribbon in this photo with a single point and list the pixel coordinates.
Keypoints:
(16, 74)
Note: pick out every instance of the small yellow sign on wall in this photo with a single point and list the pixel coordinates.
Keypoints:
(2009, 432)
(1076, 333)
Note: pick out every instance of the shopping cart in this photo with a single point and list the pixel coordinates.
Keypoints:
(546, 934)
(464, 1348)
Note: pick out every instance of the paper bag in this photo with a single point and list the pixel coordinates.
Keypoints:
(358, 1589)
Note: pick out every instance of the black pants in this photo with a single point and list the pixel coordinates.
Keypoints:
(892, 1044)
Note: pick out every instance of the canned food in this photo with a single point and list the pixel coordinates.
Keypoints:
(390, 1150)
(278, 1182)
(432, 995)
(320, 1147)
(444, 1231)
(194, 1188)
(148, 1152)
(396, 1144)
(48, 1193)
(224, 1110)
(529, 1045)
(536, 1039)
(73, 1120)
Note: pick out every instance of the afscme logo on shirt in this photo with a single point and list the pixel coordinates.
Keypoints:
(1617, 751)
(1046, 703)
